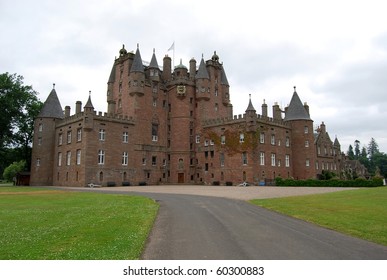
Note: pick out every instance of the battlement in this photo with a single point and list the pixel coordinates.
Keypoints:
(101, 116)
(242, 118)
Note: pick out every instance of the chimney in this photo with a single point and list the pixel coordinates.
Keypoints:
(67, 111)
(264, 109)
(78, 106)
(306, 106)
(276, 112)
(192, 68)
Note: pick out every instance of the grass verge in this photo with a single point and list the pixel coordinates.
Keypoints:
(361, 213)
(49, 224)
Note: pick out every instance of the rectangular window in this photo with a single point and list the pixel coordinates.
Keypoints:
(40, 127)
(272, 159)
(143, 161)
(287, 141)
(272, 139)
(59, 159)
(101, 135)
(60, 139)
(262, 138)
(78, 157)
(221, 159)
(125, 137)
(307, 163)
(197, 139)
(154, 160)
(79, 134)
(306, 130)
(101, 157)
(306, 144)
(244, 158)
(206, 143)
(241, 138)
(287, 160)
(222, 139)
(262, 158)
(155, 128)
(68, 158)
(38, 162)
(68, 137)
(125, 158)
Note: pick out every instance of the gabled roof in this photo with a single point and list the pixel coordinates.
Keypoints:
(202, 71)
(137, 65)
(51, 107)
(336, 142)
(153, 63)
(296, 110)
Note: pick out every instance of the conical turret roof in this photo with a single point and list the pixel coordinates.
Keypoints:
(137, 65)
(296, 110)
(153, 63)
(224, 80)
(51, 107)
(202, 71)
(89, 104)
(250, 107)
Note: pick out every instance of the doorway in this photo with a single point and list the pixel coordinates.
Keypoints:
(180, 178)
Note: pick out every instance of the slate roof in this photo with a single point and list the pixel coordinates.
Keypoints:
(202, 71)
(224, 80)
(153, 63)
(296, 110)
(112, 76)
(88, 103)
(51, 107)
(137, 65)
(250, 107)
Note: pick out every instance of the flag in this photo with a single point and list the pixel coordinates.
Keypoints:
(172, 47)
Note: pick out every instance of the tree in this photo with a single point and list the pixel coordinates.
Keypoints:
(350, 153)
(19, 106)
(11, 171)
(373, 148)
(357, 149)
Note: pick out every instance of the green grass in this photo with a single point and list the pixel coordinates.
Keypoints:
(361, 213)
(61, 225)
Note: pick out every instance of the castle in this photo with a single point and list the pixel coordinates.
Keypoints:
(176, 126)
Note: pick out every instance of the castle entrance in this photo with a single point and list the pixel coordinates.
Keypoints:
(180, 178)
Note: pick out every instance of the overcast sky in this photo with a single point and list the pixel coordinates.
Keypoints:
(335, 52)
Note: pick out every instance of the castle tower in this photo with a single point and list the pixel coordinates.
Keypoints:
(302, 139)
(251, 116)
(43, 152)
(137, 75)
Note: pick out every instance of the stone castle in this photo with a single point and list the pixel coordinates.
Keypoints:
(176, 126)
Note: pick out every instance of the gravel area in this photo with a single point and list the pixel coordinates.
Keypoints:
(241, 193)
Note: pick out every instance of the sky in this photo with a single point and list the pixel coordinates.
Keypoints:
(334, 52)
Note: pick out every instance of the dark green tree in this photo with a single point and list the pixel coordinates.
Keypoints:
(357, 149)
(350, 153)
(19, 105)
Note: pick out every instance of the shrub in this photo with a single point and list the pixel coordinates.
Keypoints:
(358, 182)
(11, 171)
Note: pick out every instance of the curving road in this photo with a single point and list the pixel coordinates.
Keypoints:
(221, 225)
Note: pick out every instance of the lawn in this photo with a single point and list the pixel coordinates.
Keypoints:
(40, 224)
(361, 213)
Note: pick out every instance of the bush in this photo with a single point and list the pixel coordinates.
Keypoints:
(358, 182)
(11, 171)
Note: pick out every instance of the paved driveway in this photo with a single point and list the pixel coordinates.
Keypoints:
(199, 222)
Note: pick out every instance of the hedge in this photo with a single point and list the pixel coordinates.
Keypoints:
(359, 182)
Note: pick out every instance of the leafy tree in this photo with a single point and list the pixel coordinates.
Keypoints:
(19, 106)
(11, 171)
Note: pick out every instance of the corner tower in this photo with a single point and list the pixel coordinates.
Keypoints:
(43, 152)
(302, 139)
